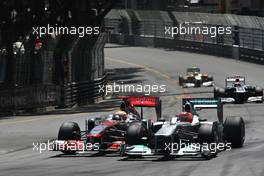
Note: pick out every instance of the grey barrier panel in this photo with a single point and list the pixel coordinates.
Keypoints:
(29, 97)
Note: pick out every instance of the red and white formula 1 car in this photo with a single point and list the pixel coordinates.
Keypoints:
(105, 133)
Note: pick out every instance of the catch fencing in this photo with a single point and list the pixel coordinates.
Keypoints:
(60, 71)
(148, 28)
(85, 72)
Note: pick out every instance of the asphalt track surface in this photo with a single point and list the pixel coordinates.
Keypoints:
(134, 65)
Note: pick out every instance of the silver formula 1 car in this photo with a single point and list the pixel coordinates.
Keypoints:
(194, 78)
(187, 134)
(237, 91)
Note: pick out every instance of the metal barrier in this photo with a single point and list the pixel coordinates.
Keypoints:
(84, 92)
(254, 56)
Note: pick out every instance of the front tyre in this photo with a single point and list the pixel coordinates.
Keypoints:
(208, 135)
(137, 134)
(69, 131)
(219, 92)
(210, 78)
(181, 80)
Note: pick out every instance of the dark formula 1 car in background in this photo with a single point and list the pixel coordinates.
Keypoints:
(194, 78)
(187, 134)
(104, 133)
(236, 91)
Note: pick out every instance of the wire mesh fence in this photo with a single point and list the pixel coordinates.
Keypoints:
(246, 31)
(45, 72)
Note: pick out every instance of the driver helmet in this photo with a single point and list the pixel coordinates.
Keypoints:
(237, 84)
(196, 73)
(186, 117)
(187, 107)
(123, 107)
(120, 116)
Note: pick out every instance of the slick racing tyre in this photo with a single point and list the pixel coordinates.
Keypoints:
(137, 134)
(90, 124)
(180, 80)
(218, 92)
(198, 83)
(234, 131)
(208, 135)
(210, 78)
(259, 92)
(69, 131)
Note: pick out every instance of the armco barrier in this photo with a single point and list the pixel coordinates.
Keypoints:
(84, 92)
(254, 56)
(181, 45)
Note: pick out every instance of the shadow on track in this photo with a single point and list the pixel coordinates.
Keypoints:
(125, 75)
(109, 46)
(162, 159)
(128, 159)
(87, 155)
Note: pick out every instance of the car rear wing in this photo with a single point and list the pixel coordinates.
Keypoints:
(205, 103)
(241, 79)
(144, 101)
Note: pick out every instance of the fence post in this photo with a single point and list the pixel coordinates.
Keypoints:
(262, 37)
(236, 35)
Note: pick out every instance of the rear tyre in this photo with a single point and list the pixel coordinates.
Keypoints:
(234, 131)
(69, 131)
(91, 124)
(198, 83)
